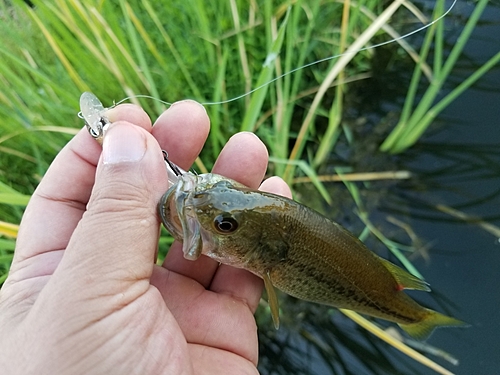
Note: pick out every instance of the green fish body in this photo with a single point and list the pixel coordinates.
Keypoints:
(294, 249)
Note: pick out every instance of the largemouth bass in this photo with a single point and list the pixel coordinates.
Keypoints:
(294, 249)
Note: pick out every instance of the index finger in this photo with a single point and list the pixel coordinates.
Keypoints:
(182, 131)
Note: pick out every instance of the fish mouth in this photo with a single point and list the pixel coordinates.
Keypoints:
(168, 214)
(178, 214)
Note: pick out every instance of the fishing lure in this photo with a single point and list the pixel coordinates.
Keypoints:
(93, 113)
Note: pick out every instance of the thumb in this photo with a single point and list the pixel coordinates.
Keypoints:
(117, 237)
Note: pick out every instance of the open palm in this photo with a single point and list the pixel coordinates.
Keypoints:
(84, 296)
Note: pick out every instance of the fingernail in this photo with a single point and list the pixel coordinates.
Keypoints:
(188, 101)
(110, 114)
(123, 143)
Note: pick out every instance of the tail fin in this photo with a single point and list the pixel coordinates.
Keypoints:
(423, 329)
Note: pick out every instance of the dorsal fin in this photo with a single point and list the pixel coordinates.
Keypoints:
(405, 279)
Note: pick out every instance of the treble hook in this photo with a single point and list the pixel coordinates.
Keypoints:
(173, 171)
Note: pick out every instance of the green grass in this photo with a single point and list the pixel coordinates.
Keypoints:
(213, 52)
(51, 53)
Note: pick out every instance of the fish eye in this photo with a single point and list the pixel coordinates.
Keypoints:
(225, 224)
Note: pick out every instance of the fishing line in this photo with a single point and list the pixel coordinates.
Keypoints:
(270, 58)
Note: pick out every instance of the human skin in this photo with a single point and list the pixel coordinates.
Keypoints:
(84, 295)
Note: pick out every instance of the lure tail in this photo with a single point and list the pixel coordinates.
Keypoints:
(423, 329)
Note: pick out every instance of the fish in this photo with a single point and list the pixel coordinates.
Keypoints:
(294, 249)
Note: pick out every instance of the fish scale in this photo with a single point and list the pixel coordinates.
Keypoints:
(294, 249)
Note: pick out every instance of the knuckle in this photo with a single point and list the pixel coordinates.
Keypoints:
(119, 197)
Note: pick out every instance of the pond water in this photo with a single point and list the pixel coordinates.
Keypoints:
(459, 165)
(465, 258)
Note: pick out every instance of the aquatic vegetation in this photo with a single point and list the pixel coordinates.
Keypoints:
(414, 121)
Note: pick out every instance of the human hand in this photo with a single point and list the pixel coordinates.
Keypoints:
(84, 296)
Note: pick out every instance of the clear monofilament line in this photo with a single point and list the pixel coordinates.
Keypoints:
(329, 58)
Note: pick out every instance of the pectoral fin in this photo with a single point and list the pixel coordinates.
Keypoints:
(272, 299)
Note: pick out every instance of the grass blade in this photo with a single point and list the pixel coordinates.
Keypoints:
(255, 106)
